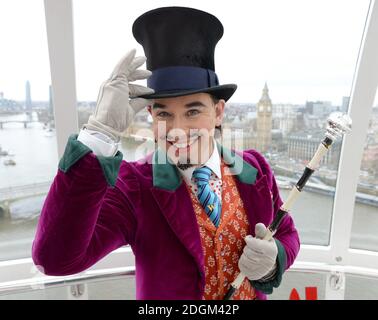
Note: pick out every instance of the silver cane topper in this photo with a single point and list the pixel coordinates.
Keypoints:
(338, 124)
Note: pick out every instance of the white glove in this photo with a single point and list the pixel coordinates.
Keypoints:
(114, 110)
(259, 256)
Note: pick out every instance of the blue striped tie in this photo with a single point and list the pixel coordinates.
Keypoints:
(208, 198)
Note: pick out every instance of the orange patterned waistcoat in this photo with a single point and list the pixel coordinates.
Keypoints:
(224, 245)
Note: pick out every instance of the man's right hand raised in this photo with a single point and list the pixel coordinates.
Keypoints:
(115, 110)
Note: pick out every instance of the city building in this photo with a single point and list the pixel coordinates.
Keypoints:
(264, 121)
(28, 100)
(302, 146)
(345, 104)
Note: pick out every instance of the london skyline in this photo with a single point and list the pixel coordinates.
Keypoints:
(28, 97)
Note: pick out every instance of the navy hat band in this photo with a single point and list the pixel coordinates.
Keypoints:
(182, 78)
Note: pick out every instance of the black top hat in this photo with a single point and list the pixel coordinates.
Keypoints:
(179, 44)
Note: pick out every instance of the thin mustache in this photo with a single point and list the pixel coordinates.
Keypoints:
(195, 136)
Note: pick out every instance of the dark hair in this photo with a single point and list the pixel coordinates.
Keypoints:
(218, 129)
(214, 99)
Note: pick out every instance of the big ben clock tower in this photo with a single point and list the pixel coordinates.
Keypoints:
(264, 121)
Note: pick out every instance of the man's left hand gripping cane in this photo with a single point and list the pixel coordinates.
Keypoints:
(258, 261)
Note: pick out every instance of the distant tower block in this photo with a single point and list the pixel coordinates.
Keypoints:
(51, 108)
(345, 104)
(28, 101)
(264, 121)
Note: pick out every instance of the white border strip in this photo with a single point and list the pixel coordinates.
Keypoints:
(59, 28)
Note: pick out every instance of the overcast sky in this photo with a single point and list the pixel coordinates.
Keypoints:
(305, 50)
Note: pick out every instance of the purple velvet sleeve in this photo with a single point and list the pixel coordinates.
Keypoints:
(82, 220)
(286, 233)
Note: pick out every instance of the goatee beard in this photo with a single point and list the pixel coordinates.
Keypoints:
(184, 166)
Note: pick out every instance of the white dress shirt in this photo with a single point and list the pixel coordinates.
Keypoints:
(100, 144)
(215, 181)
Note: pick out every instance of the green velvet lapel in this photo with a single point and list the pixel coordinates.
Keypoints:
(166, 175)
(244, 171)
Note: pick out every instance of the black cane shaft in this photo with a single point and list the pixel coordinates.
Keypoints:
(305, 176)
(277, 220)
(229, 293)
(327, 142)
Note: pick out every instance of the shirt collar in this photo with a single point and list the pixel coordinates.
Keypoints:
(212, 163)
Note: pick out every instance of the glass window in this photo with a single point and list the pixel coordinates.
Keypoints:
(307, 286)
(293, 62)
(365, 217)
(122, 288)
(28, 149)
(299, 68)
(310, 284)
(361, 288)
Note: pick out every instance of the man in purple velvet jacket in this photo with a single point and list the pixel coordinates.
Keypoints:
(98, 202)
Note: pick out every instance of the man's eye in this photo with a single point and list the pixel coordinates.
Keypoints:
(163, 114)
(193, 112)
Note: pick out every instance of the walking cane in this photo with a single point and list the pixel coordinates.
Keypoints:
(338, 124)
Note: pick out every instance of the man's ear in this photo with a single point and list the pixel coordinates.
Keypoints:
(219, 112)
(149, 108)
